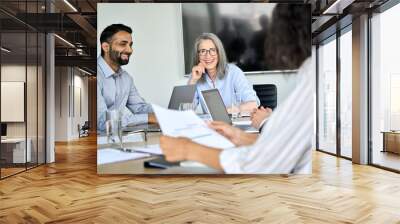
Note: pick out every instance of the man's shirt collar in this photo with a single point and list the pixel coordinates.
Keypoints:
(107, 70)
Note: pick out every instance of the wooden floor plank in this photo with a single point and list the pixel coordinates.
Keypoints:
(70, 191)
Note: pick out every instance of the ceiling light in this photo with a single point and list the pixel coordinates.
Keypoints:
(84, 71)
(5, 50)
(70, 5)
(338, 6)
(64, 40)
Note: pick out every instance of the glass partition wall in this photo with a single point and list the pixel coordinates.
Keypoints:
(334, 75)
(327, 95)
(346, 74)
(22, 77)
(385, 89)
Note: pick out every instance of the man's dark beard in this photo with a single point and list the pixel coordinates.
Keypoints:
(116, 57)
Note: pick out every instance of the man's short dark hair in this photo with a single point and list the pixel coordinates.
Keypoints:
(109, 32)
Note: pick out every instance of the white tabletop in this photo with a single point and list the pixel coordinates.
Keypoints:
(136, 166)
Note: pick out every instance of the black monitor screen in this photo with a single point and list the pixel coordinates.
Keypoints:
(3, 129)
(244, 29)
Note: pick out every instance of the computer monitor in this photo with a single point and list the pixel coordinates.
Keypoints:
(3, 129)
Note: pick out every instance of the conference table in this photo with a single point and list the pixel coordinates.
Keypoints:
(137, 140)
(136, 166)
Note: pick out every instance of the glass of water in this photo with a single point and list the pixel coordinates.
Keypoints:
(114, 126)
(235, 107)
(186, 106)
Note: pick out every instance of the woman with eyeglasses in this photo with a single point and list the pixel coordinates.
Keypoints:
(285, 143)
(211, 70)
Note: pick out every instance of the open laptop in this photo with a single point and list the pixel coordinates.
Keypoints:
(181, 94)
(216, 107)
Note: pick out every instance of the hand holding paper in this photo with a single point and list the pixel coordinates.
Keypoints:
(188, 124)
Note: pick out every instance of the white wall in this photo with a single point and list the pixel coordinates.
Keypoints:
(12, 73)
(80, 83)
(157, 62)
(61, 103)
(285, 83)
(68, 81)
(33, 125)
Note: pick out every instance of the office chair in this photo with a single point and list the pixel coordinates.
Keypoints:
(84, 130)
(267, 93)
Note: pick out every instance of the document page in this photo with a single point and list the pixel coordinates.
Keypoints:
(110, 155)
(188, 124)
(135, 137)
(151, 149)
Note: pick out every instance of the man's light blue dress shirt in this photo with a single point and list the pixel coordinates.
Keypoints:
(117, 91)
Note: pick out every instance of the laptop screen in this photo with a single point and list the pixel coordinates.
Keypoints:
(215, 105)
(181, 94)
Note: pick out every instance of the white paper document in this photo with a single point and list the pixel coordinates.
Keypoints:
(136, 137)
(109, 155)
(152, 149)
(242, 122)
(188, 124)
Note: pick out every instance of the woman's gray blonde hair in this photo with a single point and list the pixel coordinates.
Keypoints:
(222, 64)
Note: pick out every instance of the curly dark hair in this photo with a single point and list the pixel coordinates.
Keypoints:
(289, 42)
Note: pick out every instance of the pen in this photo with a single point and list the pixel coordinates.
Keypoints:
(135, 150)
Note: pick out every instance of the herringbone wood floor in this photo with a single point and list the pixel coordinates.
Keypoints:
(70, 191)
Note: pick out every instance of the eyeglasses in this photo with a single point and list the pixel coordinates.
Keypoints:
(211, 52)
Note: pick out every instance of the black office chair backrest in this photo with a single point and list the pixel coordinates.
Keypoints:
(268, 95)
(86, 125)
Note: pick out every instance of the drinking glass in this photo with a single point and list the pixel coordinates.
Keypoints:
(235, 107)
(186, 106)
(114, 126)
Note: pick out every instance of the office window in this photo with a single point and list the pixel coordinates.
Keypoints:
(385, 87)
(394, 101)
(346, 92)
(327, 96)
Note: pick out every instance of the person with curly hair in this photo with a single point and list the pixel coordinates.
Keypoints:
(285, 143)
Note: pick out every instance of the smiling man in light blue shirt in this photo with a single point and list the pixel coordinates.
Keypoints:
(115, 87)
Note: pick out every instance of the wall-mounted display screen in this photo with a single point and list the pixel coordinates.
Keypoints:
(244, 30)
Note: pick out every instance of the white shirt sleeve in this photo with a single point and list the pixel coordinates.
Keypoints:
(285, 144)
